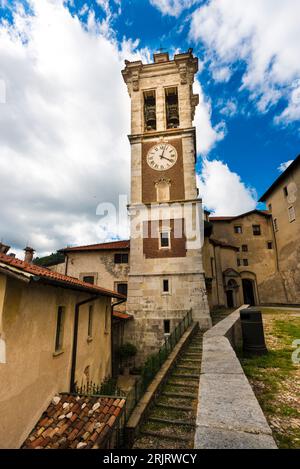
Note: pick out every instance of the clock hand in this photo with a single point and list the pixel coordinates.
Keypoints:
(162, 155)
(165, 158)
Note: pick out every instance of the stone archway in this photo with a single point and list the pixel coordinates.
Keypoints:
(249, 285)
(248, 291)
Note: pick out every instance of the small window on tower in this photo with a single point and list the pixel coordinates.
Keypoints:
(166, 286)
(150, 110)
(167, 326)
(172, 109)
(165, 239)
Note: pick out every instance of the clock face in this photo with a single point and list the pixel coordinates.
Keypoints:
(162, 157)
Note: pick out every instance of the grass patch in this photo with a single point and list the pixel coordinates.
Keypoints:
(276, 379)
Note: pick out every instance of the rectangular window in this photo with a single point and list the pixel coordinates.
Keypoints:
(59, 328)
(150, 110)
(285, 191)
(165, 239)
(89, 279)
(90, 321)
(238, 261)
(166, 326)
(166, 286)
(245, 247)
(121, 258)
(172, 109)
(275, 221)
(292, 213)
(245, 262)
(256, 230)
(270, 245)
(122, 288)
(238, 229)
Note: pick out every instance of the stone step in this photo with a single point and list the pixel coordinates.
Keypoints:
(171, 422)
(181, 376)
(166, 436)
(183, 367)
(174, 394)
(173, 407)
(191, 360)
(169, 383)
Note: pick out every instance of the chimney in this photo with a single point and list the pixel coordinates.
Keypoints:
(28, 255)
(4, 248)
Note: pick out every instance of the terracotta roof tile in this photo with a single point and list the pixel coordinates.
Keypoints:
(47, 276)
(112, 245)
(122, 315)
(56, 430)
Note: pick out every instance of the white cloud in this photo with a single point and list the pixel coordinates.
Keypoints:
(222, 190)
(284, 166)
(221, 74)
(173, 7)
(265, 35)
(207, 135)
(63, 128)
(228, 108)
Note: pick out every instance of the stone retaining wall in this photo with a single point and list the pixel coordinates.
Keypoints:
(229, 415)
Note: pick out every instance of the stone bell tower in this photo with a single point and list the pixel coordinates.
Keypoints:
(166, 277)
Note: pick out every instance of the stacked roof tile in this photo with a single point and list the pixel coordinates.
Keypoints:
(76, 423)
(113, 245)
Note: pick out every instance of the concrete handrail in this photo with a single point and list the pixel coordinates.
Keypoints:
(228, 415)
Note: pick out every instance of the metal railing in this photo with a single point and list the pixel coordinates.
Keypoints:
(151, 366)
(154, 362)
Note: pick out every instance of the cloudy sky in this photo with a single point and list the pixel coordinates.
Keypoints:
(64, 109)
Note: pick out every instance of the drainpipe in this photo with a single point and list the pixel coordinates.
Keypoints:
(75, 336)
(67, 264)
(111, 334)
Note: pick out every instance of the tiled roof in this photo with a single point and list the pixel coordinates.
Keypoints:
(75, 422)
(121, 315)
(100, 247)
(264, 213)
(48, 276)
(220, 218)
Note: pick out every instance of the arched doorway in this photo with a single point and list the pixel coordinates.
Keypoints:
(248, 290)
(230, 300)
(231, 289)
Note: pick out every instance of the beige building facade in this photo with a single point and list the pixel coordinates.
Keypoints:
(39, 354)
(244, 257)
(283, 202)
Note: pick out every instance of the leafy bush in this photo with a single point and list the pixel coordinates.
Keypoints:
(127, 351)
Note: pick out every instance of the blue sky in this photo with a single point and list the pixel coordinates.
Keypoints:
(60, 65)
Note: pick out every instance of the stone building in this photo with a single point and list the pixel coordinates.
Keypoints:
(283, 202)
(166, 277)
(241, 261)
(55, 331)
(99, 264)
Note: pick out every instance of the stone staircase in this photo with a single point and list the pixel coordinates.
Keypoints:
(172, 418)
